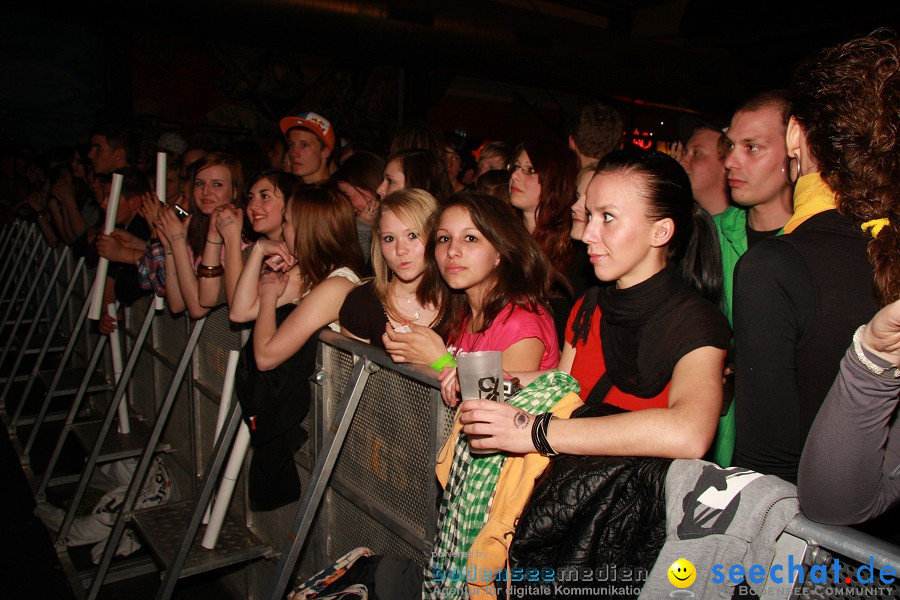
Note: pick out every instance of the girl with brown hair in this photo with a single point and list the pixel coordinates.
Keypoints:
(500, 281)
(542, 187)
(319, 265)
(218, 181)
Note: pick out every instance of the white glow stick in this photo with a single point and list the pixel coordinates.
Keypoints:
(115, 348)
(161, 176)
(112, 208)
(226, 488)
(159, 302)
(224, 405)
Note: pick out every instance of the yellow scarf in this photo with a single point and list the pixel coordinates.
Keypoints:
(811, 196)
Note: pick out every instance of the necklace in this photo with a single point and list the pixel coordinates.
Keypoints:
(417, 310)
(416, 313)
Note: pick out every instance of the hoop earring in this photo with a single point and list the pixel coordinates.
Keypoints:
(789, 175)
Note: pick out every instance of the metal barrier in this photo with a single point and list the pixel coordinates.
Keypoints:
(372, 485)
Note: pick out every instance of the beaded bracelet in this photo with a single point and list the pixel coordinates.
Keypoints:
(446, 360)
(868, 364)
(539, 434)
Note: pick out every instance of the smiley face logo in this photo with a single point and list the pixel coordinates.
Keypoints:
(682, 573)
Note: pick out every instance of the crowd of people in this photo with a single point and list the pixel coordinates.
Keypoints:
(719, 304)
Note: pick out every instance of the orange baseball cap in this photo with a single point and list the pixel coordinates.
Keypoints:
(315, 122)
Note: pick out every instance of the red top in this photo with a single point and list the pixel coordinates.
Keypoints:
(589, 366)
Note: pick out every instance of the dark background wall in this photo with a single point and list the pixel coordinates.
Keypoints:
(496, 69)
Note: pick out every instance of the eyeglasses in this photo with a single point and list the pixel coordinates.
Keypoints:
(529, 170)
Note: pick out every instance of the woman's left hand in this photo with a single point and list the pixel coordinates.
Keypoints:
(273, 283)
(229, 221)
(882, 334)
(273, 248)
(493, 425)
(106, 324)
(449, 379)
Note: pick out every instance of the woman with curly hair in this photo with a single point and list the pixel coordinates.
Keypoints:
(799, 297)
(847, 116)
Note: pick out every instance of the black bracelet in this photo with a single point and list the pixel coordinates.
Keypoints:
(539, 434)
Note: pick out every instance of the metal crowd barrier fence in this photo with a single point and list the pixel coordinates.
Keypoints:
(377, 485)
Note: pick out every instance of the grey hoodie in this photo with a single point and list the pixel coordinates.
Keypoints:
(719, 516)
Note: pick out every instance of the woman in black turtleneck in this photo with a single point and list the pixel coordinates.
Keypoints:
(658, 333)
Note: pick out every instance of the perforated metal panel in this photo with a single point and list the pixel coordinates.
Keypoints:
(385, 471)
(135, 315)
(272, 527)
(360, 528)
(178, 430)
(338, 366)
(383, 461)
(207, 414)
(143, 392)
(219, 337)
(170, 335)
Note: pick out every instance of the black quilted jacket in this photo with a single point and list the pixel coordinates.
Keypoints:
(605, 514)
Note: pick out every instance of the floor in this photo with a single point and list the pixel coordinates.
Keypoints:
(31, 568)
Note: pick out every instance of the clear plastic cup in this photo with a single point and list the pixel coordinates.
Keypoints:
(480, 377)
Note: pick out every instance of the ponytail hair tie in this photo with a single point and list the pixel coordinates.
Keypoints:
(876, 225)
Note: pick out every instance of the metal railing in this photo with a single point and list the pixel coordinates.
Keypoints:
(374, 488)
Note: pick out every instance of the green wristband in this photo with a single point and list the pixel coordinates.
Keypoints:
(446, 360)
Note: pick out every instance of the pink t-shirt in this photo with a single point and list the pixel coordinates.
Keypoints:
(511, 325)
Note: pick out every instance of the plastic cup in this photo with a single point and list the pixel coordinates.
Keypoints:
(480, 377)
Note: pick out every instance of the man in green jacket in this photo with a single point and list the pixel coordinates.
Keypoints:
(757, 163)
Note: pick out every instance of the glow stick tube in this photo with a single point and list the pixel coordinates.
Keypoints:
(224, 405)
(112, 208)
(161, 176)
(226, 488)
(158, 301)
(115, 348)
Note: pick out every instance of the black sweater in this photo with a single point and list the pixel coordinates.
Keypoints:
(797, 300)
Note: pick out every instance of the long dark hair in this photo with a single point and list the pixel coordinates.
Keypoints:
(363, 170)
(557, 170)
(282, 181)
(324, 233)
(523, 277)
(423, 170)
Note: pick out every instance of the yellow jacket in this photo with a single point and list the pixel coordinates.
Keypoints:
(489, 551)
